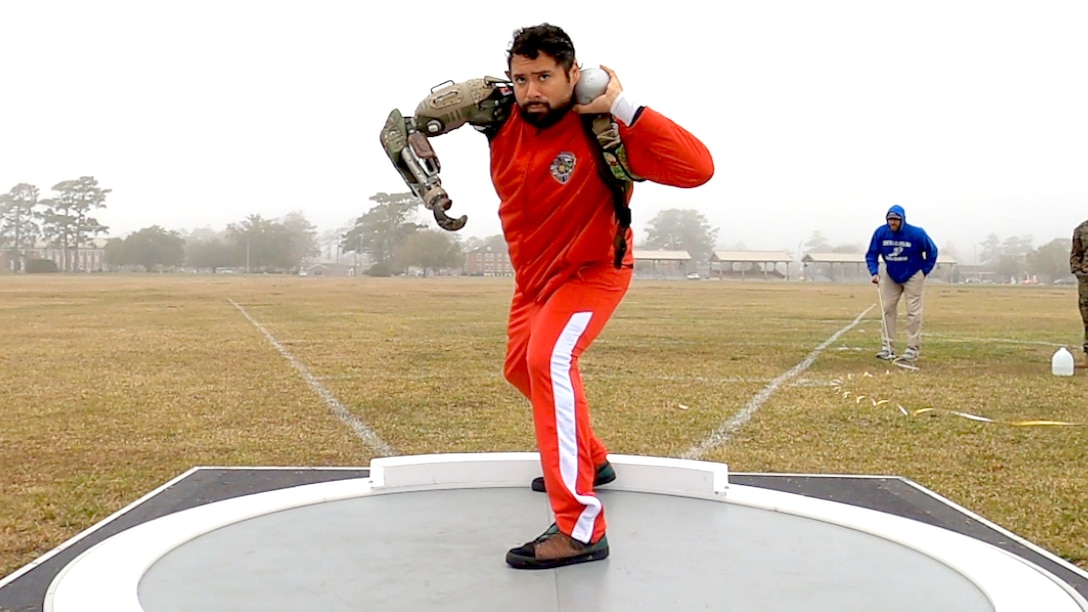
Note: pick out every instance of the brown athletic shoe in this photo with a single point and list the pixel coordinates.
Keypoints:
(555, 549)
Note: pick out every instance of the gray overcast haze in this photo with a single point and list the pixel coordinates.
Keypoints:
(820, 115)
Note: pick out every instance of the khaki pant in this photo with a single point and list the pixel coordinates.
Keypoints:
(890, 292)
(1083, 295)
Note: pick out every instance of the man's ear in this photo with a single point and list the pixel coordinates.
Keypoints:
(575, 72)
(508, 76)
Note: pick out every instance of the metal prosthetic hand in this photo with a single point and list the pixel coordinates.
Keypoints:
(415, 160)
(484, 103)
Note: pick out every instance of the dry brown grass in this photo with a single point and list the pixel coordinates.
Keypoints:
(113, 385)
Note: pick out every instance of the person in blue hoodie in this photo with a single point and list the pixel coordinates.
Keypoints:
(909, 256)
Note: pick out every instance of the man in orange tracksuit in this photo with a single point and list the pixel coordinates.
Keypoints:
(559, 222)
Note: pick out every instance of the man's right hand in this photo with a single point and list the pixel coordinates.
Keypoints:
(603, 103)
(876, 279)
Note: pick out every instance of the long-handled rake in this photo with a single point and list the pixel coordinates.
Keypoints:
(885, 341)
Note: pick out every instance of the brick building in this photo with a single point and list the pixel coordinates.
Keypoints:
(89, 258)
(488, 261)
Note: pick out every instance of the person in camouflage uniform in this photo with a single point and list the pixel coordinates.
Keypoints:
(1078, 265)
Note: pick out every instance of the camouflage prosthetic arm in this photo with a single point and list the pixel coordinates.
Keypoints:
(484, 103)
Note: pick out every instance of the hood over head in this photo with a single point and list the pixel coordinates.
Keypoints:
(896, 212)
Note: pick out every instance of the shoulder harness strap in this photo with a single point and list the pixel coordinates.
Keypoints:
(616, 173)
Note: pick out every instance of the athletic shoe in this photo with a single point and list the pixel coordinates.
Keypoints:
(554, 548)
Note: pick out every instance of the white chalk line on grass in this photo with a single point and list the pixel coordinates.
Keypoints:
(372, 439)
(725, 431)
(966, 340)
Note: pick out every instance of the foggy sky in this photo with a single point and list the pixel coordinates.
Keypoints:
(820, 115)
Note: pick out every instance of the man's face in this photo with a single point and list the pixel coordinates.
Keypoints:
(542, 88)
(895, 224)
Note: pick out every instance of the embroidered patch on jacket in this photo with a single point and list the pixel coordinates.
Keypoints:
(563, 166)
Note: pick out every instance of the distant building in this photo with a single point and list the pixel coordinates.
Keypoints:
(965, 273)
(86, 258)
(327, 268)
(848, 267)
(662, 264)
(746, 265)
(488, 261)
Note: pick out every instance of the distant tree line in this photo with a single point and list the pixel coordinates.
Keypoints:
(64, 220)
(1010, 258)
(1014, 257)
(818, 243)
(393, 241)
(254, 244)
(388, 235)
(682, 230)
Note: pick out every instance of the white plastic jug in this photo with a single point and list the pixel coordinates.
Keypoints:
(1062, 363)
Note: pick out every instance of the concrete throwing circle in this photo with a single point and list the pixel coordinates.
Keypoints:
(431, 532)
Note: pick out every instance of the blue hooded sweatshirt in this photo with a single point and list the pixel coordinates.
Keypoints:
(905, 252)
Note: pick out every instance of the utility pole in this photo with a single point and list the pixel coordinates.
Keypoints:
(358, 249)
(801, 261)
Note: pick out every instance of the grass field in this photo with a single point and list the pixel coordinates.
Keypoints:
(110, 386)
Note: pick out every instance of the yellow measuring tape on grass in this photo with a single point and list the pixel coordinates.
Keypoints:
(847, 394)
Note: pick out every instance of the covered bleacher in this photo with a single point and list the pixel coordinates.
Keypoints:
(848, 267)
(662, 264)
(745, 265)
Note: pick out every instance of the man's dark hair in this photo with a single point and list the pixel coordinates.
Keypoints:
(544, 38)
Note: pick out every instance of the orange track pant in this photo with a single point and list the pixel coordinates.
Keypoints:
(545, 340)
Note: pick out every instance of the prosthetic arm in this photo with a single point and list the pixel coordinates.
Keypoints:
(483, 103)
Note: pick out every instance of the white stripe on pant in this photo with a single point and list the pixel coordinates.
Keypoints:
(566, 424)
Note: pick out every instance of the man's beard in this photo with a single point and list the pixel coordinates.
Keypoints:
(544, 119)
